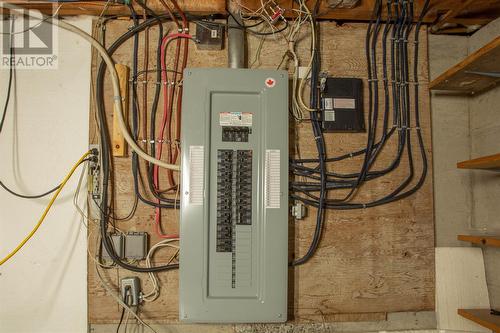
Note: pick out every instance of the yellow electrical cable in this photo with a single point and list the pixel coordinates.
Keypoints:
(42, 218)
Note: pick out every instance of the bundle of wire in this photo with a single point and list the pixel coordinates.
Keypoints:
(318, 179)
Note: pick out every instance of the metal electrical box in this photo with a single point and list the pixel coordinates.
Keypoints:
(234, 205)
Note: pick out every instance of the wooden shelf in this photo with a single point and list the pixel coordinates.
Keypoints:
(481, 240)
(491, 162)
(460, 79)
(482, 317)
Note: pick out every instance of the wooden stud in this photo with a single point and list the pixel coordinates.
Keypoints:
(119, 143)
(481, 240)
(482, 317)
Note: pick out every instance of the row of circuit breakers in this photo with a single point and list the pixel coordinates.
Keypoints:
(234, 209)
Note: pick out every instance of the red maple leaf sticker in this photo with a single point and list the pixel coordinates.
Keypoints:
(270, 82)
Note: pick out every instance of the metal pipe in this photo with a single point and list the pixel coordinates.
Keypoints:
(236, 43)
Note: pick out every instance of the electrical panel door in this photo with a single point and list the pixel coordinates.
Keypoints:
(234, 205)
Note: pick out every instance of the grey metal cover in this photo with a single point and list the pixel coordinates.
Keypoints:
(246, 281)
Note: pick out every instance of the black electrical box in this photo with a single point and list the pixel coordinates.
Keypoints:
(209, 35)
(342, 105)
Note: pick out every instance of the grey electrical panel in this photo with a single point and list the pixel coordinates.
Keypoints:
(234, 206)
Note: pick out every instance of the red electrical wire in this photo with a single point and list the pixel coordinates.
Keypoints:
(168, 91)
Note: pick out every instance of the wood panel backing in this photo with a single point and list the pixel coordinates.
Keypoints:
(369, 262)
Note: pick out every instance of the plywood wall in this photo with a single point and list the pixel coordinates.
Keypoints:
(370, 261)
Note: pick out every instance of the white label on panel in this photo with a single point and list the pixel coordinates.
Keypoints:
(344, 103)
(236, 119)
(196, 174)
(329, 115)
(272, 179)
(328, 103)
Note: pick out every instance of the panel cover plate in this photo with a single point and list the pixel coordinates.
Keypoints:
(234, 236)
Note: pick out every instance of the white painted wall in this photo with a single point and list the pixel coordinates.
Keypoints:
(43, 289)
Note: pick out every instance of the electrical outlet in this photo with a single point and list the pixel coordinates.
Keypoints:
(95, 175)
(131, 287)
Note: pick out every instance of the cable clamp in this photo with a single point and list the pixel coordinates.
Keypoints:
(351, 155)
(372, 80)
(117, 98)
(416, 42)
(180, 30)
(364, 206)
(146, 141)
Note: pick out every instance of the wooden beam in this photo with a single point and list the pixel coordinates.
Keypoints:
(493, 241)
(482, 317)
(119, 143)
(363, 11)
(96, 7)
(483, 8)
(451, 14)
(491, 162)
(460, 77)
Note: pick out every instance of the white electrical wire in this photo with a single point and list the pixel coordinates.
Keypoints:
(114, 79)
(155, 292)
(118, 299)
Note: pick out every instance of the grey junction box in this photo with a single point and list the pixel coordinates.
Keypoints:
(234, 205)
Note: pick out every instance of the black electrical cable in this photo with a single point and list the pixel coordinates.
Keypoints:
(320, 147)
(25, 196)
(401, 30)
(135, 114)
(125, 300)
(404, 72)
(377, 147)
(11, 75)
(106, 155)
(135, 159)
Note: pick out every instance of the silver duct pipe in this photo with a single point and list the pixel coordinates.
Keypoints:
(236, 43)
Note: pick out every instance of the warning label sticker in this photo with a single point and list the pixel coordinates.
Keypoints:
(243, 119)
(344, 103)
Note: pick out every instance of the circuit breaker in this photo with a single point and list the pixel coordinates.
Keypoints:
(234, 205)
